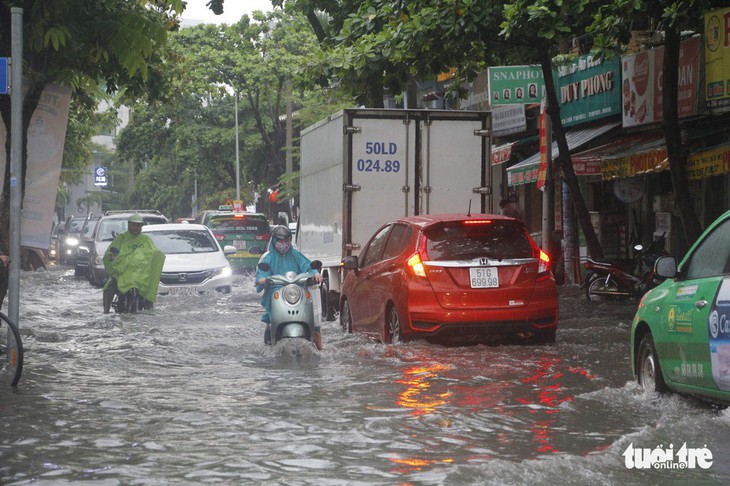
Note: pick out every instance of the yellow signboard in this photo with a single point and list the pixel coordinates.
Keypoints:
(717, 58)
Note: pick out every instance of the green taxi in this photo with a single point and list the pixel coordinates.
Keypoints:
(248, 232)
(680, 336)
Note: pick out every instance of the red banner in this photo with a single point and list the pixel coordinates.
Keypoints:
(542, 168)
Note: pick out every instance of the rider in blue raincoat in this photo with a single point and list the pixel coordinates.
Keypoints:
(282, 258)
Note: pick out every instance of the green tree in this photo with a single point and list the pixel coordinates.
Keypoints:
(191, 137)
(78, 43)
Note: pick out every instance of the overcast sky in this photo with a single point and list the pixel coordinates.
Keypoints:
(197, 11)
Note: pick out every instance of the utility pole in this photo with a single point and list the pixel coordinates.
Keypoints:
(16, 159)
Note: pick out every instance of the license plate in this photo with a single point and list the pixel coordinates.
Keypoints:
(239, 244)
(483, 277)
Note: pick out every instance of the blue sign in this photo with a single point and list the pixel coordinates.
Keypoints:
(100, 176)
(3, 75)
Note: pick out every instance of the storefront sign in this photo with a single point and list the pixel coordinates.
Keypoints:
(635, 164)
(642, 83)
(506, 119)
(588, 89)
(502, 153)
(526, 175)
(717, 58)
(710, 163)
(510, 85)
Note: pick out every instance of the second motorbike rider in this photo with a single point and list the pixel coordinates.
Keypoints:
(127, 261)
(282, 258)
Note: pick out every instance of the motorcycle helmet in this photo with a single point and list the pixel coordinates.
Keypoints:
(135, 218)
(280, 233)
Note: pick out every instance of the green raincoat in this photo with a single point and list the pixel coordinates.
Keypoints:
(138, 264)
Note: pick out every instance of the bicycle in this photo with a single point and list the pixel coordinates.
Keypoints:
(11, 352)
(11, 349)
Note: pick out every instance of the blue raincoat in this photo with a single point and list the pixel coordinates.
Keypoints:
(291, 261)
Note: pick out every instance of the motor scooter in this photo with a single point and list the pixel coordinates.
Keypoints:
(295, 303)
(132, 299)
(612, 280)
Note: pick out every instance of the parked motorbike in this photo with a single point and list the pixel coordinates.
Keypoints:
(294, 305)
(614, 280)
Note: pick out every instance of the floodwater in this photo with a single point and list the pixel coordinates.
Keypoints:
(188, 393)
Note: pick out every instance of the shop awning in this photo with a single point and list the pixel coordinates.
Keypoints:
(626, 156)
(525, 172)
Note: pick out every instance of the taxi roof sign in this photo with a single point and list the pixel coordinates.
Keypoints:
(225, 207)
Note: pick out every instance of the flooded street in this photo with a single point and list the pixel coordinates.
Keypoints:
(188, 393)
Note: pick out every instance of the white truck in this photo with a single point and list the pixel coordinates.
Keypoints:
(361, 168)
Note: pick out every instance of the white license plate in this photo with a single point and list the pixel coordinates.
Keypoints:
(239, 244)
(483, 277)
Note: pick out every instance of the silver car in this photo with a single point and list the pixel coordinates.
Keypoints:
(194, 261)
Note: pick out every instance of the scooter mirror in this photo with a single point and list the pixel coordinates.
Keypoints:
(264, 266)
(256, 250)
(317, 265)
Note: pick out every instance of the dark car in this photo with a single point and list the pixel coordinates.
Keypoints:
(81, 260)
(110, 225)
(450, 277)
(54, 248)
(70, 240)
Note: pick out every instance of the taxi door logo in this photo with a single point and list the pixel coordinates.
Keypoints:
(718, 327)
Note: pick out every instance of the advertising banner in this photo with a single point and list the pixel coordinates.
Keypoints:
(717, 58)
(642, 83)
(46, 139)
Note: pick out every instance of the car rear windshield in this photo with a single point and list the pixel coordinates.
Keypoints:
(176, 242)
(459, 240)
(239, 225)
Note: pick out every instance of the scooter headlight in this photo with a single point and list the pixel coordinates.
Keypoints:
(292, 294)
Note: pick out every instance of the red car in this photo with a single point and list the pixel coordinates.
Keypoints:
(450, 277)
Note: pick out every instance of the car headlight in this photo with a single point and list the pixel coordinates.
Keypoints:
(70, 241)
(222, 271)
(83, 249)
(292, 294)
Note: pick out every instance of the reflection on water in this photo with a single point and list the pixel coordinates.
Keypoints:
(188, 393)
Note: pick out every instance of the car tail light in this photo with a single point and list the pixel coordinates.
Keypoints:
(239, 216)
(416, 265)
(478, 221)
(219, 237)
(543, 266)
(415, 261)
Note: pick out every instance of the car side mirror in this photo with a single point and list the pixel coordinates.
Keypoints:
(350, 263)
(666, 267)
(229, 250)
(264, 266)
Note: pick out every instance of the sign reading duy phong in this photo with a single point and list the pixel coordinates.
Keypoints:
(513, 85)
(717, 58)
(588, 89)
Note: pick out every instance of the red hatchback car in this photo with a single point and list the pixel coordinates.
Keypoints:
(450, 277)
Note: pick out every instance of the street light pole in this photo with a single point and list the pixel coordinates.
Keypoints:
(238, 166)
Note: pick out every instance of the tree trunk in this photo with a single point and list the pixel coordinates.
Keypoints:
(673, 134)
(564, 162)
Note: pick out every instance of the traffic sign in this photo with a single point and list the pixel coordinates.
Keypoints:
(4, 75)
